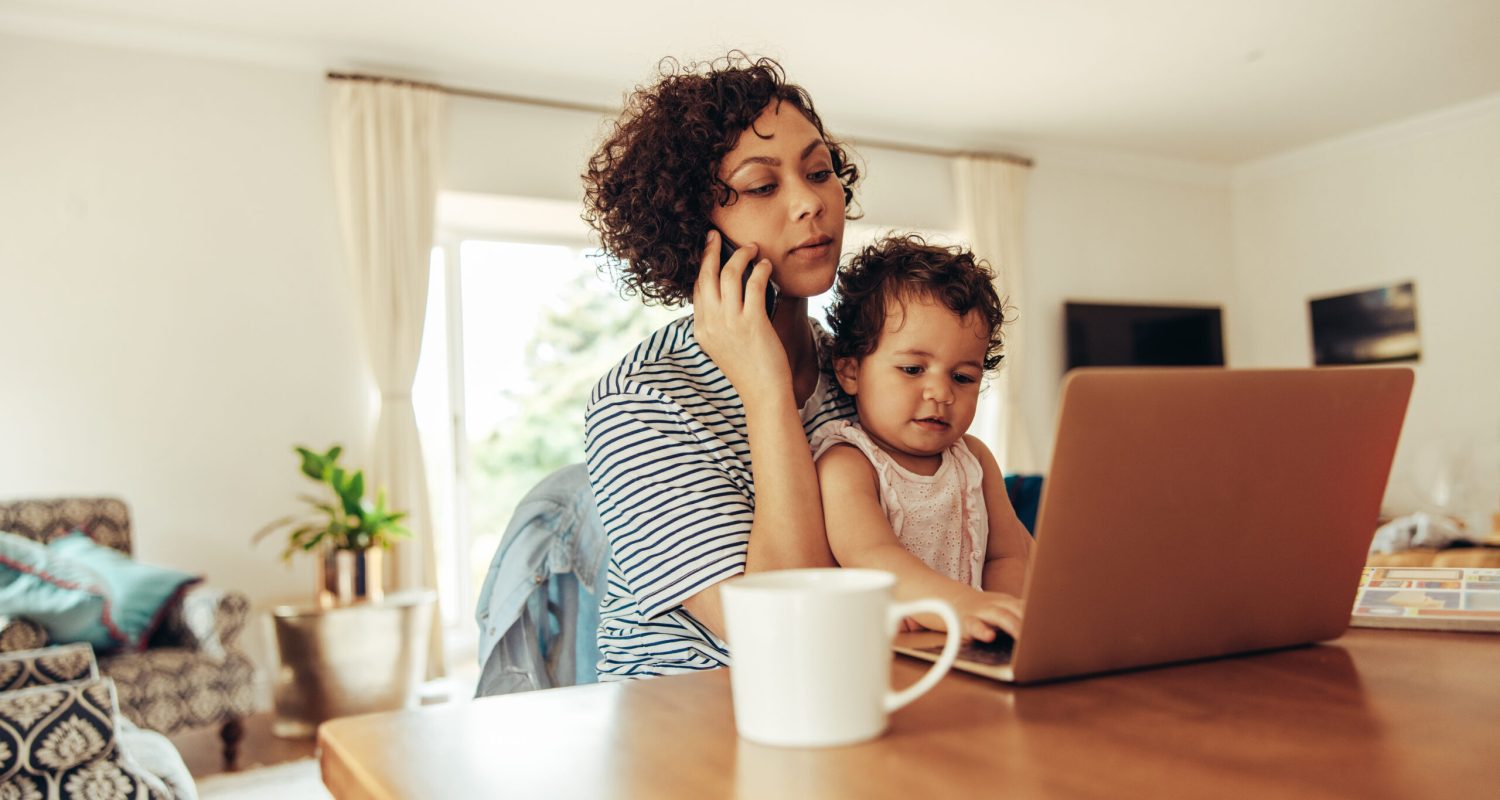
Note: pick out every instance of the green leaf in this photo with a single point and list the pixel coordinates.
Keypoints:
(357, 488)
(272, 527)
(313, 465)
(351, 496)
(305, 538)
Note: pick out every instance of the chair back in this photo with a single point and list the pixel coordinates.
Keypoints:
(106, 520)
(538, 610)
(1025, 492)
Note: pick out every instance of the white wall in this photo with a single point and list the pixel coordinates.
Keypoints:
(1116, 229)
(527, 151)
(1417, 200)
(519, 150)
(175, 308)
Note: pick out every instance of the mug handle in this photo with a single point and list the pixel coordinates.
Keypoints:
(898, 611)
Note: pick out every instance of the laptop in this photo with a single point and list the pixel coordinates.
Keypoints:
(1195, 513)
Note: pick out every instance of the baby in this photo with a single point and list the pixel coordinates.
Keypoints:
(916, 328)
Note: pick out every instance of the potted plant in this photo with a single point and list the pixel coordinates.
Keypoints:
(346, 533)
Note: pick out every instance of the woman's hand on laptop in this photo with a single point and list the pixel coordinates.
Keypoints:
(981, 614)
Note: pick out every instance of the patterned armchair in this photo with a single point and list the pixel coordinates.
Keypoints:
(192, 674)
(61, 736)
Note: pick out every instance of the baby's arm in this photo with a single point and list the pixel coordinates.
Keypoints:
(860, 535)
(1009, 544)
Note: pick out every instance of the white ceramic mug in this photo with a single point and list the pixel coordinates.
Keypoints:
(810, 654)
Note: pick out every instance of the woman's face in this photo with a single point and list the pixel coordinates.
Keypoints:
(790, 201)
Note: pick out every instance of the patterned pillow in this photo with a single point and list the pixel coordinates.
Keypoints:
(27, 668)
(59, 741)
(20, 633)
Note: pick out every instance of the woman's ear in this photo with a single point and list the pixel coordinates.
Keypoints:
(847, 372)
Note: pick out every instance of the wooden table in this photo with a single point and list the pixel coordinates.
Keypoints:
(1487, 556)
(1376, 714)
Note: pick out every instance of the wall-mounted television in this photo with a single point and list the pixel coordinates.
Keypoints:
(1372, 327)
(1104, 335)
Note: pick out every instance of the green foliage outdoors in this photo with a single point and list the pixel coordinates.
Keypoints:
(581, 336)
(341, 519)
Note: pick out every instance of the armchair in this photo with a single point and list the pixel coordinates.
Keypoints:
(192, 674)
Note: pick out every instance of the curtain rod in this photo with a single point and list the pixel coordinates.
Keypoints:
(606, 111)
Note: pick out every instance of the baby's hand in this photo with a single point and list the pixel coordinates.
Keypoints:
(980, 614)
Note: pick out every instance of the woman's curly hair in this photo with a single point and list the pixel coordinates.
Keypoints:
(899, 268)
(650, 186)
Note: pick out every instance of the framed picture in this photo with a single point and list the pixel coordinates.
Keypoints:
(1377, 326)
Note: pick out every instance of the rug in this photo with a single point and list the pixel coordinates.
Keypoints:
(296, 780)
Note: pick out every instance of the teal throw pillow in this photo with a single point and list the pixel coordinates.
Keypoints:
(64, 597)
(139, 594)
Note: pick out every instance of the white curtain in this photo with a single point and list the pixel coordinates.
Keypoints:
(386, 156)
(991, 204)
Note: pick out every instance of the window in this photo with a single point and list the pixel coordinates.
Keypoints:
(521, 323)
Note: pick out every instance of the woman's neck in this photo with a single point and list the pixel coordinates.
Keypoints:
(795, 332)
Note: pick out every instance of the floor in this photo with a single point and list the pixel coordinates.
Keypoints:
(202, 750)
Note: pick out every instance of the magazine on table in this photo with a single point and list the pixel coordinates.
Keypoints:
(1428, 598)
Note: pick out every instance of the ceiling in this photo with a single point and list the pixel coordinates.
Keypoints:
(1222, 81)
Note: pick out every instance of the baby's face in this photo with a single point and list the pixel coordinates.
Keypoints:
(917, 392)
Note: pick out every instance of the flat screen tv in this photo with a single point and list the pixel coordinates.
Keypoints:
(1101, 335)
(1371, 327)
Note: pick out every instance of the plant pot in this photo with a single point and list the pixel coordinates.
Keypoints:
(346, 577)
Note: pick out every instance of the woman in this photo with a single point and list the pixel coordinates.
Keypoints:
(698, 441)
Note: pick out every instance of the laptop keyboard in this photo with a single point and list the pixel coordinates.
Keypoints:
(993, 653)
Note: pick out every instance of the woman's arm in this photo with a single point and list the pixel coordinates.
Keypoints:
(787, 532)
(731, 325)
(1009, 545)
(860, 535)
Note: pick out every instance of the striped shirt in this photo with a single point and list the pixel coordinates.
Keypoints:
(669, 460)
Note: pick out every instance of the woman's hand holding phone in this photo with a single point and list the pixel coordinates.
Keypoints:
(726, 252)
(732, 325)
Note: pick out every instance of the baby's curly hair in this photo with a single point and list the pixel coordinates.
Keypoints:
(898, 268)
(650, 186)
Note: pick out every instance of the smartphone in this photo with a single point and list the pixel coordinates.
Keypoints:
(726, 249)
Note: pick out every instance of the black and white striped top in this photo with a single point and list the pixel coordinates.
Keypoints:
(669, 461)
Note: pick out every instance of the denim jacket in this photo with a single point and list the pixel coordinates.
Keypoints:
(538, 610)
